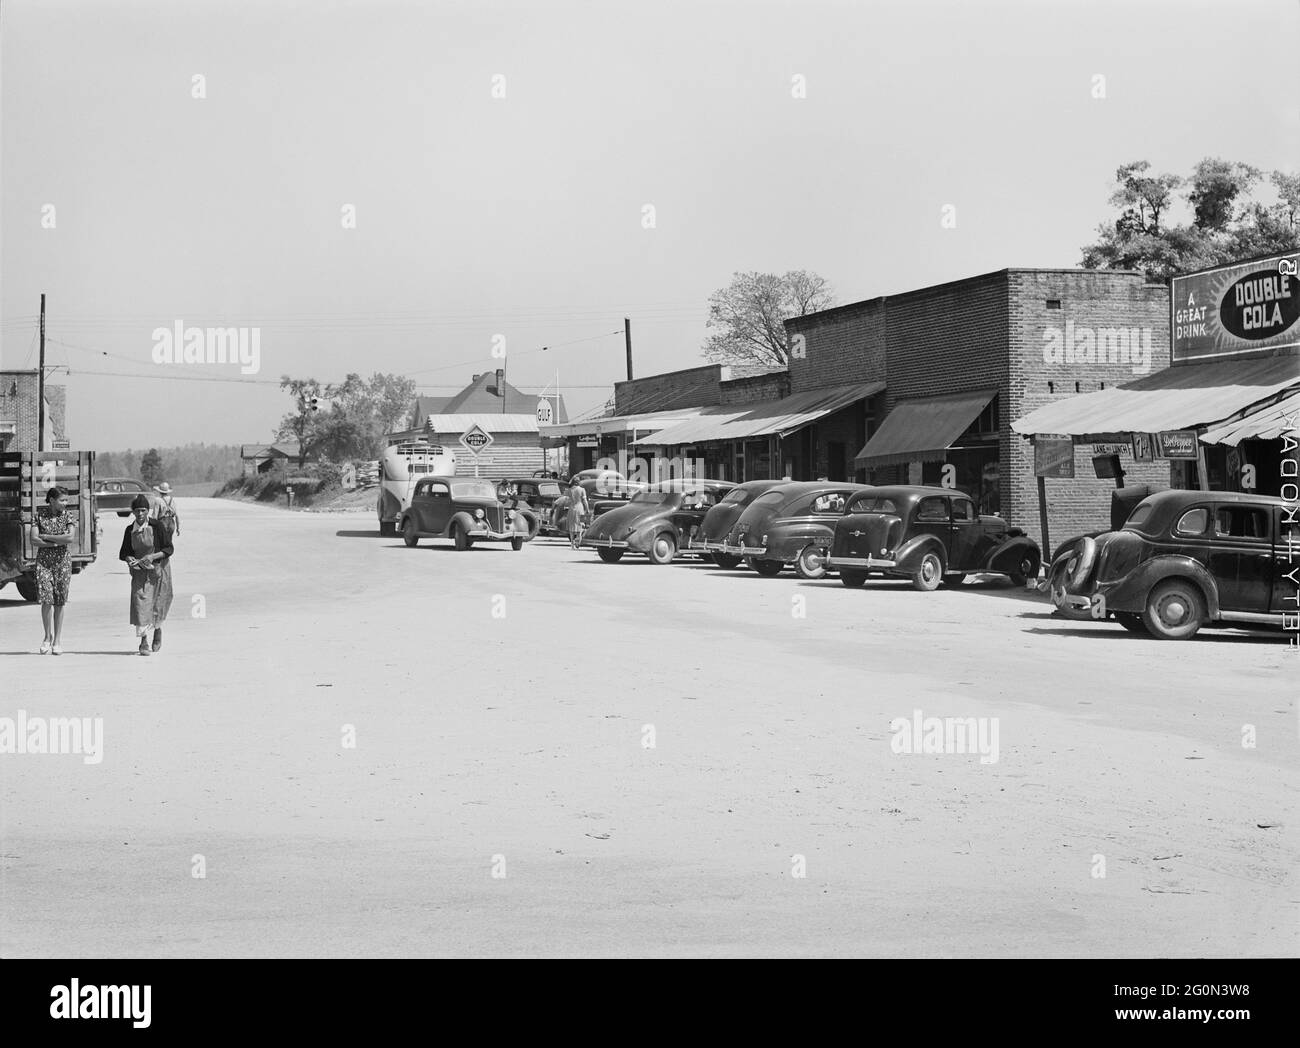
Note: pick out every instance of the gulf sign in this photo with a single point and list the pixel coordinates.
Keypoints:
(1246, 310)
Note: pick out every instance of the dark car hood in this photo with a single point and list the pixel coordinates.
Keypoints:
(632, 515)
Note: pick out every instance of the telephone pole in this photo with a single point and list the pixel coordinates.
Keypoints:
(40, 386)
(627, 340)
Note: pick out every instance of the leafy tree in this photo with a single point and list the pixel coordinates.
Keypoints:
(747, 315)
(300, 425)
(151, 467)
(1226, 223)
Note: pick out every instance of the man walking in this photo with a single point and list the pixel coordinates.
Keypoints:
(164, 510)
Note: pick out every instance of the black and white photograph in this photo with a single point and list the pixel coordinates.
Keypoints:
(703, 479)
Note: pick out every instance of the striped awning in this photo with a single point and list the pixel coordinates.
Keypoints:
(923, 429)
(1268, 423)
(779, 417)
(1187, 396)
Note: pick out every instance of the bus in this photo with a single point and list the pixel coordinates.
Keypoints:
(402, 465)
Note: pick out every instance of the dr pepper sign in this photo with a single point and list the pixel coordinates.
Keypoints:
(1249, 309)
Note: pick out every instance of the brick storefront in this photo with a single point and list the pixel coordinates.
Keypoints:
(19, 411)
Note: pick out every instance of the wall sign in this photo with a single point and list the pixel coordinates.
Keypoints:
(1053, 455)
(1176, 444)
(1144, 447)
(1234, 311)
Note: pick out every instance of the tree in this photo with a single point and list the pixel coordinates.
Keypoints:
(1227, 225)
(151, 467)
(300, 425)
(747, 316)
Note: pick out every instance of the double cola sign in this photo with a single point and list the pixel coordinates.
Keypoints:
(1260, 305)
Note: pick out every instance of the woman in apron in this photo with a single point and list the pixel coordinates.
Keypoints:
(147, 550)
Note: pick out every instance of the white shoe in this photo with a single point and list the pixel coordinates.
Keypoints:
(45, 647)
(57, 649)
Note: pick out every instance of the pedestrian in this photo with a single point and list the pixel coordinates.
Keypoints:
(579, 511)
(148, 551)
(54, 531)
(164, 510)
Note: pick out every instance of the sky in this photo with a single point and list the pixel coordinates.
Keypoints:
(500, 157)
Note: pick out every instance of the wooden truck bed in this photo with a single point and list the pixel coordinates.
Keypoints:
(24, 478)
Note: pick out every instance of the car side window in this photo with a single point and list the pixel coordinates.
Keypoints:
(1193, 522)
(1241, 522)
(832, 503)
(437, 491)
(932, 509)
(963, 510)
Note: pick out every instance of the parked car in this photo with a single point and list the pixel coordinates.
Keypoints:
(464, 509)
(1184, 560)
(606, 489)
(791, 523)
(718, 521)
(660, 521)
(115, 494)
(929, 535)
(534, 496)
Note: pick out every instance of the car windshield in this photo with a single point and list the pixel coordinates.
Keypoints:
(549, 490)
(473, 489)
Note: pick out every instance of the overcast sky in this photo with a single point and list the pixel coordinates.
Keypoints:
(523, 215)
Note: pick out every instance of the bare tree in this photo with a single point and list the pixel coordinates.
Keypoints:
(747, 316)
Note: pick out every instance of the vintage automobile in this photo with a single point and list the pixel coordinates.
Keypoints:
(534, 496)
(718, 521)
(660, 521)
(1184, 560)
(790, 523)
(606, 489)
(464, 509)
(114, 494)
(929, 535)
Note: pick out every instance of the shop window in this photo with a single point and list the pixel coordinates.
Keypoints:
(1053, 303)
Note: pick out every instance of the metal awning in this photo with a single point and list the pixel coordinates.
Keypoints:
(652, 420)
(1267, 423)
(923, 429)
(780, 417)
(1187, 396)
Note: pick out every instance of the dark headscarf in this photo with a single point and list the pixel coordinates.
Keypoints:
(141, 502)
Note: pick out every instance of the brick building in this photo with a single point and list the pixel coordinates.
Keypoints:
(19, 412)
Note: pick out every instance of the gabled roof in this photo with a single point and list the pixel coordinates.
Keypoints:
(475, 399)
(280, 449)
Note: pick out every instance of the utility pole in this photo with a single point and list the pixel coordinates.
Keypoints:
(40, 386)
(627, 340)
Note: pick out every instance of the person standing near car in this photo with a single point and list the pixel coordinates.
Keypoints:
(54, 531)
(148, 551)
(164, 510)
(579, 511)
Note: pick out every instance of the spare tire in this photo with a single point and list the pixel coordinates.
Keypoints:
(1084, 560)
(532, 519)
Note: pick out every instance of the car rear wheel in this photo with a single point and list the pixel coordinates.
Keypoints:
(1174, 611)
(1027, 569)
(767, 567)
(928, 576)
(461, 537)
(1132, 622)
(388, 527)
(810, 564)
(726, 560)
(663, 549)
(853, 579)
(955, 580)
(409, 534)
(610, 556)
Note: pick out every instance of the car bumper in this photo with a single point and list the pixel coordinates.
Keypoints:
(739, 551)
(496, 536)
(861, 564)
(603, 543)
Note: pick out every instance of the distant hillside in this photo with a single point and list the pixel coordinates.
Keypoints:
(191, 464)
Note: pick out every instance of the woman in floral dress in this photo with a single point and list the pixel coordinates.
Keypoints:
(54, 531)
(147, 550)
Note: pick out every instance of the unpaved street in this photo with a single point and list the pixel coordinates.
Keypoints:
(501, 703)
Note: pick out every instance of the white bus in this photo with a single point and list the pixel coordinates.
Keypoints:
(402, 465)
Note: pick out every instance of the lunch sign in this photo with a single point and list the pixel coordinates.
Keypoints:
(1250, 309)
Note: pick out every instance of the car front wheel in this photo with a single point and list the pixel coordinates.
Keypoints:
(388, 527)
(610, 556)
(853, 579)
(768, 567)
(1174, 611)
(517, 543)
(810, 564)
(460, 537)
(929, 574)
(409, 535)
(662, 549)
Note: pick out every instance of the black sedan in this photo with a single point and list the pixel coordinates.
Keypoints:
(659, 521)
(463, 509)
(929, 535)
(114, 494)
(791, 523)
(718, 521)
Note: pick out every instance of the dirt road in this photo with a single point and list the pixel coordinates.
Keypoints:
(503, 704)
